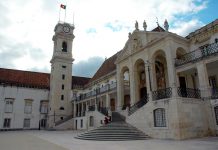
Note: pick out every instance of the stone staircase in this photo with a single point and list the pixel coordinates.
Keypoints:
(117, 130)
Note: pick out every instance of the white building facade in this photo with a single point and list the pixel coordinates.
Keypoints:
(163, 84)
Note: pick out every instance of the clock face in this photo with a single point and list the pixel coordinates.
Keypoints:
(66, 29)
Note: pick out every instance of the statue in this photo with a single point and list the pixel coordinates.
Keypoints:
(144, 25)
(166, 25)
(136, 25)
(130, 34)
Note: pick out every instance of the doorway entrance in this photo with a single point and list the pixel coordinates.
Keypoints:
(112, 102)
(182, 84)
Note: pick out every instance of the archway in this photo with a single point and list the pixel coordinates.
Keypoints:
(161, 71)
(125, 87)
(140, 80)
(180, 52)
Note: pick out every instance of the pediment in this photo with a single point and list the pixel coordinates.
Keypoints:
(133, 44)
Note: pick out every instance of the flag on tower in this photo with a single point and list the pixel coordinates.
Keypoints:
(63, 6)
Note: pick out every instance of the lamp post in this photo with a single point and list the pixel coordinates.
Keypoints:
(149, 76)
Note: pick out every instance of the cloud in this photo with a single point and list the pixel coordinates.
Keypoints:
(21, 55)
(184, 28)
(88, 67)
(102, 28)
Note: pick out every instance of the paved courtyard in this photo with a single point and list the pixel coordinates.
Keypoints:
(64, 140)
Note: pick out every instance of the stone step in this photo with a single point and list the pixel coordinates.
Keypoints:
(112, 138)
(117, 130)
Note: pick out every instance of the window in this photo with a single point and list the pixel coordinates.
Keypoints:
(61, 108)
(216, 40)
(44, 107)
(159, 117)
(62, 87)
(7, 123)
(216, 114)
(62, 118)
(64, 47)
(63, 76)
(62, 97)
(43, 123)
(28, 107)
(64, 66)
(26, 123)
(81, 123)
(9, 105)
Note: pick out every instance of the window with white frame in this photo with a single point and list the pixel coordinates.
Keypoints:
(7, 123)
(9, 105)
(216, 114)
(28, 106)
(44, 107)
(26, 123)
(159, 117)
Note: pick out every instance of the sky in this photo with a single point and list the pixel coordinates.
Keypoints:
(101, 28)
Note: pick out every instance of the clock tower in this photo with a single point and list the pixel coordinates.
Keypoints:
(60, 105)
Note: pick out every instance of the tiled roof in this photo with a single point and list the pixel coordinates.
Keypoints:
(205, 28)
(79, 81)
(158, 29)
(33, 79)
(107, 67)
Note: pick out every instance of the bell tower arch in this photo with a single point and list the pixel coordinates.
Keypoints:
(61, 74)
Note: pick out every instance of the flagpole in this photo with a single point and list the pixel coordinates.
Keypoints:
(65, 15)
(59, 14)
(65, 11)
(73, 18)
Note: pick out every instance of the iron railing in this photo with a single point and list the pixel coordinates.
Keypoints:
(197, 54)
(162, 94)
(189, 93)
(103, 110)
(92, 108)
(138, 105)
(106, 88)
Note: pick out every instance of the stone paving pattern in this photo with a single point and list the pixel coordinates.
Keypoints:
(64, 140)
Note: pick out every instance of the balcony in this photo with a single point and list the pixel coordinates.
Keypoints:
(189, 93)
(162, 93)
(92, 108)
(104, 89)
(197, 55)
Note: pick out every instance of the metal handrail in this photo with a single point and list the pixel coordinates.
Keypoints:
(189, 92)
(138, 105)
(197, 54)
(106, 88)
(162, 93)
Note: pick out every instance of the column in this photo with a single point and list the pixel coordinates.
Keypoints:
(120, 89)
(107, 100)
(132, 85)
(171, 70)
(148, 81)
(203, 79)
(205, 92)
(74, 108)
